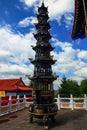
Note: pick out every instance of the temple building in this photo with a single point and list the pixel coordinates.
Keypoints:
(43, 92)
(14, 87)
(80, 20)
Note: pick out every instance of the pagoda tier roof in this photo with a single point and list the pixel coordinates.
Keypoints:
(42, 25)
(43, 61)
(43, 35)
(13, 85)
(45, 78)
(78, 30)
(41, 16)
(44, 46)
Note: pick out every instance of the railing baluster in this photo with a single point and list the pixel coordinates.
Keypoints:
(71, 102)
(85, 101)
(10, 104)
(58, 102)
(18, 105)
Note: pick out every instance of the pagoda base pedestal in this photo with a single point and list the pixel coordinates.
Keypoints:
(44, 112)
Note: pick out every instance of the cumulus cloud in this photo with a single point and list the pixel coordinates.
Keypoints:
(16, 44)
(9, 69)
(68, 61)
(4, 54)
(56, 8)
(15, 49)
(82, 73)
(27, 21)
(29, 3)
(59, 7)
(82, 54)
(68, 20)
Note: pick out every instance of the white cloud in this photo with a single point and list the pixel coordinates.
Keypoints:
(10, 69)
(28, 2)
(59, 7)
(17, 44)
(4, 54)
(82, 54)
(82, 72)
(27, 21)
(68, 20)
(68, 62)
(56, 8)
(15, 49)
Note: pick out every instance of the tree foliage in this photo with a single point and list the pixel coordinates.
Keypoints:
(69, 87)
(83, 86)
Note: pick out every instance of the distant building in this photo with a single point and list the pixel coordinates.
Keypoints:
(79, 29)
(14, 87)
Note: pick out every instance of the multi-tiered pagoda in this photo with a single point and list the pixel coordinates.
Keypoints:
(43, 94)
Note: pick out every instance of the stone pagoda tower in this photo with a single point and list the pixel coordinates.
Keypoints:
(43, 94)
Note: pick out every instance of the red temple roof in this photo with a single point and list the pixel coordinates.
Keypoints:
(80, 17)
(13, 85)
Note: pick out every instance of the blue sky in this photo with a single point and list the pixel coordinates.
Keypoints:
(17, 18)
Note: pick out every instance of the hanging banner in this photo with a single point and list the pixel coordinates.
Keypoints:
(2, 93)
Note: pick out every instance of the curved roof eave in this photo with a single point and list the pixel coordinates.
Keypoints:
(78, 30)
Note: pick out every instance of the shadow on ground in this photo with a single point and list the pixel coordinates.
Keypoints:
(63, 117)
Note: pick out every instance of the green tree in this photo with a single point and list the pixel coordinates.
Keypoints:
(69, 87)
(83, 86)
(74, 88)
(64, 89)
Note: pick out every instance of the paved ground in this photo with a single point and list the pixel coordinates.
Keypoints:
(65, 120)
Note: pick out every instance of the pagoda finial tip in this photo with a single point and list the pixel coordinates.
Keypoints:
(42, 2)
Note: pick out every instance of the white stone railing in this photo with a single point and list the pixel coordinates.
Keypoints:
(18, 103)
(13, 104)
(72, 103)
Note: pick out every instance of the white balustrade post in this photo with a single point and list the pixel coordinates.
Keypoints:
(10, 104)
(0, 106)
(58, 102)
(85, 101)
(24, 100)
(18, 98)
(71, 102)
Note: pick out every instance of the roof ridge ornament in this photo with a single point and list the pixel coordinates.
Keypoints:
(43, 3)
